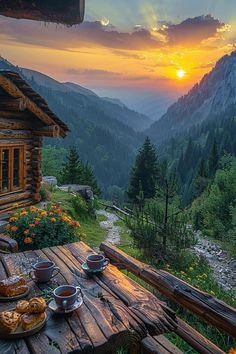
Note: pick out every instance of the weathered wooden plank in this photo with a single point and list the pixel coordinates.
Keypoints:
(196, 340)
(12, 104)
(86, 335)
(128, 318)
(107, 316)
(15, 124)
(157, 317)
(158, 345)
(15, 134)
(57, 335)
(14, 197)
(210, 309)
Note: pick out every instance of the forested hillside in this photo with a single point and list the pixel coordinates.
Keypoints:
(194, 157)
(102, 140)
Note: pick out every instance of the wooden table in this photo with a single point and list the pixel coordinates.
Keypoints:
(117, 312)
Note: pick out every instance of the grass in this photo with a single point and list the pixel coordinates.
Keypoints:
(90, 230)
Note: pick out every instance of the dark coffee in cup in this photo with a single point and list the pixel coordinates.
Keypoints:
(44, 271)
(66, 296)
(96, 261)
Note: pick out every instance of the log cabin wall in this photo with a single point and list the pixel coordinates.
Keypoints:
(25, 119)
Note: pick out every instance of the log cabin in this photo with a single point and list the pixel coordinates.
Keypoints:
(25, 119)
(68, 12)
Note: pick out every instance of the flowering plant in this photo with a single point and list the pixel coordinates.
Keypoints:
(35, 228)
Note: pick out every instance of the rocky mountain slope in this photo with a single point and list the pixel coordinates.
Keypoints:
(212, 97)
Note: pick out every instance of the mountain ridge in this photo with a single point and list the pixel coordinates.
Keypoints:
(211, 97)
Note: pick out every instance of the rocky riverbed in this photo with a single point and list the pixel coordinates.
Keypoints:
(224, 267)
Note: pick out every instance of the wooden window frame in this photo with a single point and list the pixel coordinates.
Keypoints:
(22, 161)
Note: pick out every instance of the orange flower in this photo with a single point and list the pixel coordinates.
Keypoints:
(23, 213)
(13, 219)
(31, 225)
(14, 228)
(26, 232)
(28, 240)
(53, 220)
(232, 351)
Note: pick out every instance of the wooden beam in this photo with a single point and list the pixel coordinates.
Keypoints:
(15, 134)
(196, 340)
(17, 115)
(15, 124)
(207, 307)
(52, 131)
(12, 104)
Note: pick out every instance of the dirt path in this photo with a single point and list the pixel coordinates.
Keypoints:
(224, 267)
(113, 231)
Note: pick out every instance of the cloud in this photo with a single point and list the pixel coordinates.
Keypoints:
(94, 74)
(86, 35)
(90, 34)
(128, 55)
(205, 66)
(193, 30)
(103, 75)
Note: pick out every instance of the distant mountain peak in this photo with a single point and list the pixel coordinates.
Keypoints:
(214, 95)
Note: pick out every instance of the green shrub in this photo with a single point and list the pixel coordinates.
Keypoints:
(45, 193)
(35, 228)
(85, 209)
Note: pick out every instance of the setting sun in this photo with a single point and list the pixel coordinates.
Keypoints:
(180, 73)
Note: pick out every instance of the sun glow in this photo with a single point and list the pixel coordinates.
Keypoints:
(180, 73)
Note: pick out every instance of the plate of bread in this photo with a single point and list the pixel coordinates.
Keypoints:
(26, 319)
(13, 288)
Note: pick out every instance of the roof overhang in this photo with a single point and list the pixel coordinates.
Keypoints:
(68, 12)
(16, 87)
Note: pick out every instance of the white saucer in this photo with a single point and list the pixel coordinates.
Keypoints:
(53, 306)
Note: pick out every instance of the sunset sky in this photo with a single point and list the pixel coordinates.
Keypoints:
(127, 45)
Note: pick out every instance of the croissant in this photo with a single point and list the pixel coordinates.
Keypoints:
(37, 305)
(30, 320)
(9, 321)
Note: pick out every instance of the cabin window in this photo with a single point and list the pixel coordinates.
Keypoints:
(11, 168)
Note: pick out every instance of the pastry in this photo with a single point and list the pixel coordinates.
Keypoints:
(9, 321)
(31, 320)
(22, 306)
(37, 305)
(13, 286)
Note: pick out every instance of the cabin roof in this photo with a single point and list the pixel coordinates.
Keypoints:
(68, 12)
(17, 87)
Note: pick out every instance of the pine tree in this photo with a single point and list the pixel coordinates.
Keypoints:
(213, 159)
(145, 173)
(90, 179)
(72, 172)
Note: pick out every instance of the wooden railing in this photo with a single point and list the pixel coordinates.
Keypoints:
(205, 306)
